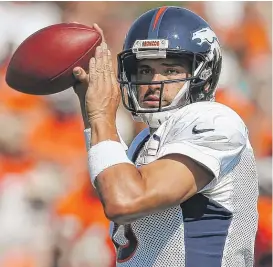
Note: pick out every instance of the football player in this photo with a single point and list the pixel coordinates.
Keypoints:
(185, 193)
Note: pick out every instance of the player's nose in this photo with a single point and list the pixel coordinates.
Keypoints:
(156, 78)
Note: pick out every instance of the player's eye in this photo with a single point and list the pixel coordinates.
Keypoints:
(145, 71)
(172, 72)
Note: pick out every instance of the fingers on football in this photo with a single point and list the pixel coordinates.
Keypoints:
(99, 70)
(110, 64)
(100, 31)
(112, 74)
(92, 71)
(98, 57)
(105, 62)
(81, 75)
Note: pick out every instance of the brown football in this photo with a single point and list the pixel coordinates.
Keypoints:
(43, 63)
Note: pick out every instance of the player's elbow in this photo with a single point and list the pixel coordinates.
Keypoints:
(119, 213)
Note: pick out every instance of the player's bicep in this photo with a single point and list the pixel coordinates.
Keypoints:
(173, 179)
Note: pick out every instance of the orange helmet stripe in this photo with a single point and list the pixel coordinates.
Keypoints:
(158, 14)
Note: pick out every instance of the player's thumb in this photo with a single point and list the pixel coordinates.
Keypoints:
(80, 75)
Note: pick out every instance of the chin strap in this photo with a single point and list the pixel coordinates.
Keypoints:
(154, 120)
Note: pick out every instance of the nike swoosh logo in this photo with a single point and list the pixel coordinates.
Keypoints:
(198, 131)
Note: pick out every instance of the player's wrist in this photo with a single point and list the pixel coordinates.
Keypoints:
(100, 121)
(103, 129)
(87, 137)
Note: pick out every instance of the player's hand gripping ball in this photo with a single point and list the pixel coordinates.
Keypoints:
(98, 88)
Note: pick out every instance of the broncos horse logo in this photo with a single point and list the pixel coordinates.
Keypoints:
(208, 36)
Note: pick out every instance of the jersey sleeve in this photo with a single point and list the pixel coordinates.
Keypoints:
(212, 136)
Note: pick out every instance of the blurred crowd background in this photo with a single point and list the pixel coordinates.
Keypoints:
(49, 214)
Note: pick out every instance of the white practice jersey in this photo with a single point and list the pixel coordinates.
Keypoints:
(217, 226)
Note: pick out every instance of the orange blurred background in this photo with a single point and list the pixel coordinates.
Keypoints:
(50, 215)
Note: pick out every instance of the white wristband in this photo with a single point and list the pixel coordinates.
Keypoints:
(87, 137)
(104, 155)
